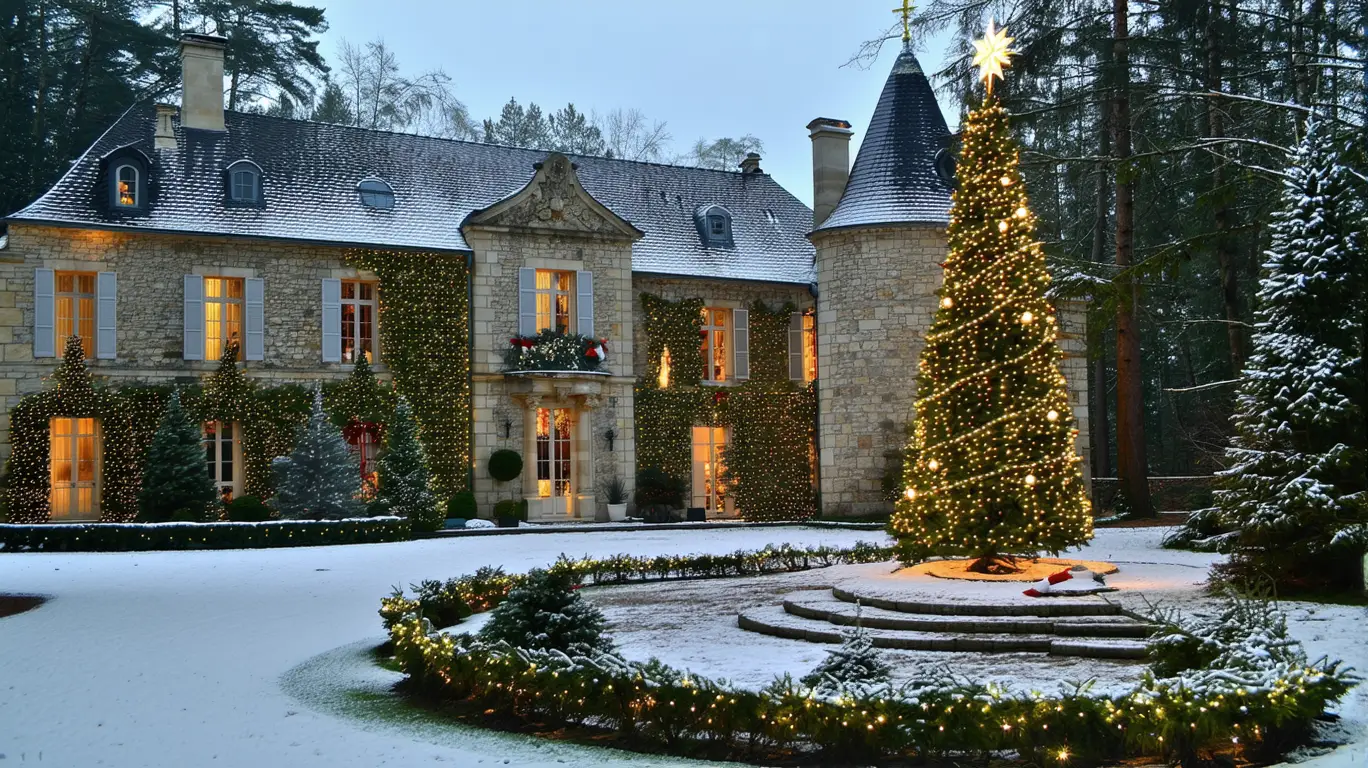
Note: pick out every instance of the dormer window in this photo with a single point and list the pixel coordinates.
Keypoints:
(244, 183)
(127, 186)
(375, 193)
(126, 181)
(715, 226)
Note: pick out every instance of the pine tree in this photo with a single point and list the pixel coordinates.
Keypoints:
(546, 612)
(991, 470)
(1296, 491)
(855, 662)
(175, 476)
(404, 479)
(319, 480)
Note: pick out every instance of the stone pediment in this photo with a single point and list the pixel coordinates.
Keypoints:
(555, 201)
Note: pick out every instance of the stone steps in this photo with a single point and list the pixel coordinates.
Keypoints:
(822, 606)
(1047, 607)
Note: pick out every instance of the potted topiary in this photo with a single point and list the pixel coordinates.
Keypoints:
(658, 494)
(616, 493)
(505, 465)
(460, 509)
(508, 513)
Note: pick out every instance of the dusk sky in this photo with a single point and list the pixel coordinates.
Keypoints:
(708, 68)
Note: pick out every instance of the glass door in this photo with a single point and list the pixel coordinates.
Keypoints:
(554, 464)
(74, 459)
(709, 489)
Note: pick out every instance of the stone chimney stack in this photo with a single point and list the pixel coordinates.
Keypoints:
(165, 135)
(202, 81)
(751, 164)
(830, 165)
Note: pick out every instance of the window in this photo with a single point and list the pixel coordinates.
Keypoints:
(223, 455)
(363, 440)
(714, 226)
(376, 194)
(75, 305)
(809, 347)
(553, 454)
(717, 226)
(359, 310)
(802, 347)
(555, 300)
(126, 186)
(709, 489)
(244, 182)
(222, 315)
(74, 459)
(716, 349)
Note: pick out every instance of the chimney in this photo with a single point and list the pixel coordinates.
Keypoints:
(202, 81)
(830, 165)
(751, 164)
(165, 135)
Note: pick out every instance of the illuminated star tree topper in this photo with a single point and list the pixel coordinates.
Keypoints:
(993, 52)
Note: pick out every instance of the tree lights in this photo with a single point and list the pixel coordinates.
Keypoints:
(991, 470)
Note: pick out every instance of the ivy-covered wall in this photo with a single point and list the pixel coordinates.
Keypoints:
(769, 461)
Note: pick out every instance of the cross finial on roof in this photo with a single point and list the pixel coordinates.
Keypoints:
(906, 11)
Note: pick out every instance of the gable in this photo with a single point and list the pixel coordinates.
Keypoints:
(554, 201)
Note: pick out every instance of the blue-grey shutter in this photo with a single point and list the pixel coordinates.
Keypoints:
(795, 347)
(741, 342)
(584, 302)
(194, 318)
(254, 291)
(332, 320)
(106, 303)
(527, 301)
(44, 313)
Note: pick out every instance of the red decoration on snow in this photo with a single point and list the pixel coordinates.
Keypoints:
(1047, 585)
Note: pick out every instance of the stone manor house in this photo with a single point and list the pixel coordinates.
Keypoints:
(186, 229)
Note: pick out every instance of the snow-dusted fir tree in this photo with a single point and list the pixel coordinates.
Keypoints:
(547, 613)
(175, 476)
(404, 480)
(1295, 489)
(319, 480)
(854, 663)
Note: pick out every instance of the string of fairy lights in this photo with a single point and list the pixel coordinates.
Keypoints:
(991, 471)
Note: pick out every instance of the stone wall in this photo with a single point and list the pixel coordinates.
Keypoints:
(150, 308)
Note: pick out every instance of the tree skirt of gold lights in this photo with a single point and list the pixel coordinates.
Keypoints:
(1033, 569)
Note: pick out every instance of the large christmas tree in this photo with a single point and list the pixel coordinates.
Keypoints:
(1296, 493)
(991, 471)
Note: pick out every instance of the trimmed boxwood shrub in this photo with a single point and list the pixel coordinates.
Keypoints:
(248, 509)
(505, 465)
(132, 537)
(462, 506)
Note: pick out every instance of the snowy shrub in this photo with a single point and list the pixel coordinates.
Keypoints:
(854, 664)
(139, 537)
(1205, 530)
(247, 509)
(320, 479)
(439, 605)
(546, 612)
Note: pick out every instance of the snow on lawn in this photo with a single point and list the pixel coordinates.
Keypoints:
(240, 658)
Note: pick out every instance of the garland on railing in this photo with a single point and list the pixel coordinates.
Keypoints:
(1255, 711)
(555, 351)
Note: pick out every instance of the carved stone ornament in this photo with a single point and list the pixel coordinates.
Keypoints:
(554, 200)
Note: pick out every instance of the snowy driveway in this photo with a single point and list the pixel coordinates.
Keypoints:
(176, 658)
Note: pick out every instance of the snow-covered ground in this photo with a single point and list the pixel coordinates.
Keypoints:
(251, 658)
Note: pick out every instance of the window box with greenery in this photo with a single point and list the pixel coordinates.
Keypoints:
(556, 352)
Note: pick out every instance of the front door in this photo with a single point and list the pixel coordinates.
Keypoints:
(74, 458)
(554, 464)
(709, 490)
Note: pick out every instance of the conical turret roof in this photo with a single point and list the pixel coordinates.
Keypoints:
(894, 180)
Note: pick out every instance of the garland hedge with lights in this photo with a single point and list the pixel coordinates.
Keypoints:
(991, 470)
(772, 419)
(1227, 686)
(132, 537)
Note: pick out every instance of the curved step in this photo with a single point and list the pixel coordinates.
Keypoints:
(1042, 607)
(826, 608)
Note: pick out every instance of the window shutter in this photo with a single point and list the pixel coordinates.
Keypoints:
(332, 320)
(106, 303)
(527, 301)
(44, 313)
(194, 318)
(741, 342)
(254, 290)
(584, 302)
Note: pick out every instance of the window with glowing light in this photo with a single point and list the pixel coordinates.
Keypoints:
(555, 301)
(223, 309)
(709, 490)
(126, 187)
(360, 308)
(223, 457)
(663, 379)
(716, 347)
(74, 466)
(553, 452)
(75, 305)
(809, 347)
(363, 440)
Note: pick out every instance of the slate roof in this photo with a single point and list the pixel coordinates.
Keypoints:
(894, 180)
(310, 172)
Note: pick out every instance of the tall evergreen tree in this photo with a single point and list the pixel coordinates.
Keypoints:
(319, 480)
(518, 127)
(1296, 490)
(332, 106)
(572, 131)
(404, 478)
(991, 469)
(175, 476)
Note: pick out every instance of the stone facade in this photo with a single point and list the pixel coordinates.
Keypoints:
(876, 300)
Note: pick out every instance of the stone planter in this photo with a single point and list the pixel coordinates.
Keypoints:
(617, 513)
(508, 522)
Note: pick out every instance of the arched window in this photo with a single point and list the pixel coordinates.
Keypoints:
(375, 193)
(715, 226)
(127, 186)
(244, 182)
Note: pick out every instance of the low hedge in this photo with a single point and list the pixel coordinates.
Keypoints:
(132, 537)
(1239, 699)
